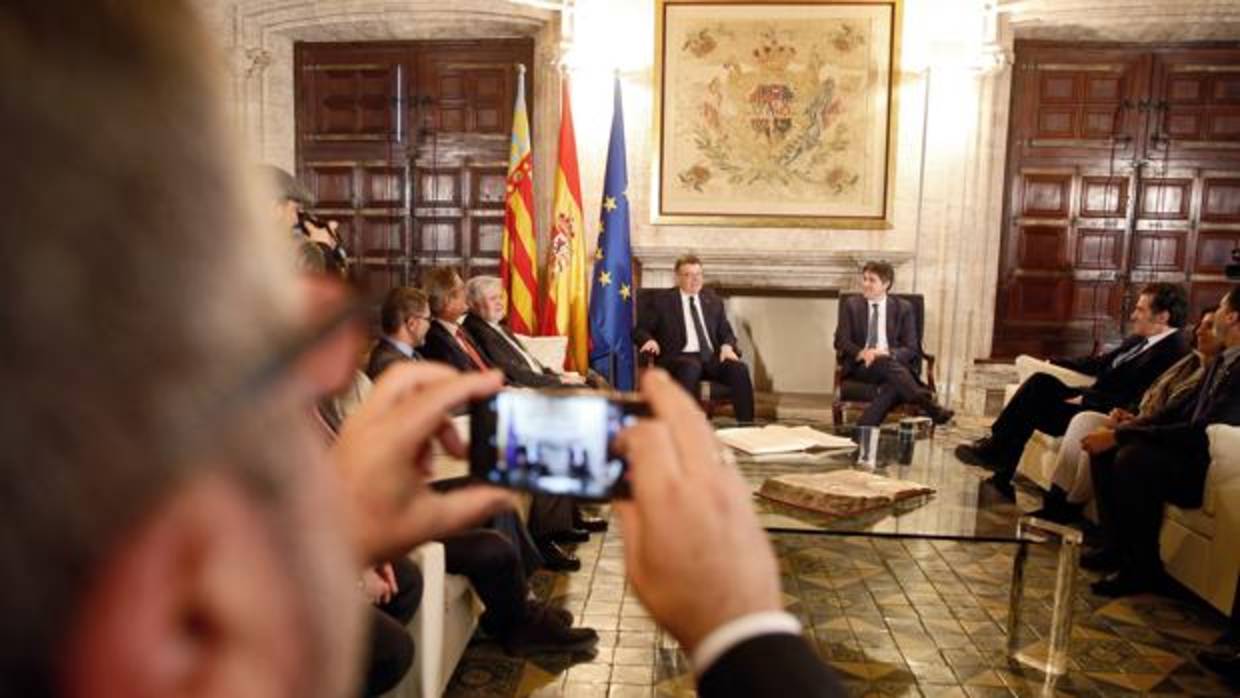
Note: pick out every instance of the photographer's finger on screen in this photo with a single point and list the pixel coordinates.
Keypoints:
(553, 441)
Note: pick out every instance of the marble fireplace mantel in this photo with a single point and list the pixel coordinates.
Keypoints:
(773, 270)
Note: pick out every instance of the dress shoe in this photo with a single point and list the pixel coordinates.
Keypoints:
(571, 535)
(557, 559)
(533, 608)
(1124, 583)
(589, 522)
(1225, 663)
(1100, 560)
(1057, 509)
(941, 415)
(1001, 484)
(544, 632)
(983, 453)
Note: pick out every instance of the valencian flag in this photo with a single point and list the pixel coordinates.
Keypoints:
(518, 269)
(564, 309)
(611, 296)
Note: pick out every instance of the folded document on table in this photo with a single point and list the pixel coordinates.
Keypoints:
(774, 438)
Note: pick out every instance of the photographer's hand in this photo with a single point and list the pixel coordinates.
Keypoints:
(693, 548)
(384, 455)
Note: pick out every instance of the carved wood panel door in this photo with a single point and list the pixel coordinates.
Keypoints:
(1092, 216)
(1076, 129)
(405, 145)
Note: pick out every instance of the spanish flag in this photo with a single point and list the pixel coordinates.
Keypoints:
(564, 310)
(518, 270)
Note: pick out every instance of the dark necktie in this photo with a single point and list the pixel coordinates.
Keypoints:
(468, 346)
(699, 328)
(1131, 353)
(1209, 383)
(871, 331)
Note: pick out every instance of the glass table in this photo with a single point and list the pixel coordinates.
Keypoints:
(961, 509)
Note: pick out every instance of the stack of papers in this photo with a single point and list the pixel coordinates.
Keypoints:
(774, 438)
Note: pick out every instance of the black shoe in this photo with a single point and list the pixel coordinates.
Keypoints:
(1002, 484)
(1100, 560)
(1057, 509)
(983, 453)
(1225, 663)
(534, 608)
(570, 535)
(941, 415)
(546, 633)
(1124, 583)
(589, 522)
(557, 559)
(1066, 513)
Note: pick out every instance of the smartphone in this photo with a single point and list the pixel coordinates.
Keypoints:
(553, 441)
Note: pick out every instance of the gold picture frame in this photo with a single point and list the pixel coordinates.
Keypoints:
(775, 114)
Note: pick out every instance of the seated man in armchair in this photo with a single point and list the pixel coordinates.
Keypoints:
(690, 337)
(877, 341)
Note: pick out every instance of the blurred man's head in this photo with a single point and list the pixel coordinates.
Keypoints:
(876, 279)
(1159, 307)
(1206, 342)
(406, 315)
(689, 274)
(485, 295)
(168, 523)
(446, 292)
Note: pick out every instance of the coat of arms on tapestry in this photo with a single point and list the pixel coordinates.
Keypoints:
(775, 114)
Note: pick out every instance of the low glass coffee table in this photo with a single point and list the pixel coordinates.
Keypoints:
(961, 509)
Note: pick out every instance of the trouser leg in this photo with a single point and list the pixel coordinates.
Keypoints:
(490, 562)
(390, 652)
(735, 375)
(1036, 396)
(687, 371)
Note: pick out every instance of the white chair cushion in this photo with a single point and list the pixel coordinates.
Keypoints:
(550, 351)
(1224, 463)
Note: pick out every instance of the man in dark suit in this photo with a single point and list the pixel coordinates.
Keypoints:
(878, 343)
(689, 335)
(405, 318)
(446, 341)
(1046, 404)
(1137, 468)
(485, 326)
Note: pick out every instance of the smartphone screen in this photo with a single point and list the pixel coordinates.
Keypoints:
(558, 442)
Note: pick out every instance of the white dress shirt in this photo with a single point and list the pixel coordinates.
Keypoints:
(691, 343)
(734, 632)
(402, 347)
(881, 342)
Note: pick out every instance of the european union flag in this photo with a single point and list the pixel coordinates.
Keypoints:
(611, 293)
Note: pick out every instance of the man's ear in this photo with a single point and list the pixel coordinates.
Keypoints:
(193, 603)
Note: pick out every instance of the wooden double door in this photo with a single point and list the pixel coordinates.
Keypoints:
(1123, 169)
(405, 144)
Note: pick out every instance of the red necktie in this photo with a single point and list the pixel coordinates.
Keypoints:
(468, 346)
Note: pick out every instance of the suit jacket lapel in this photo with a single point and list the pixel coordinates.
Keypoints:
(893, 334)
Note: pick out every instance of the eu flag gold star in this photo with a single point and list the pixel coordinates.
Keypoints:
(604, 279)
(598, 254)
(609, 203)
(625, 292)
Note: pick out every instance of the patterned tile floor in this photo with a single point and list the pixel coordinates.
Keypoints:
(895, 618)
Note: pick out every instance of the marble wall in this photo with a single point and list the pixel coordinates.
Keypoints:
(952, 93)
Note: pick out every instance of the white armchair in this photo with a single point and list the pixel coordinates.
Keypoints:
(441, 628)
(1201, 547)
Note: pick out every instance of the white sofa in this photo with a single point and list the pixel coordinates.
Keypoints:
(441, 628)
(1200, 547)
